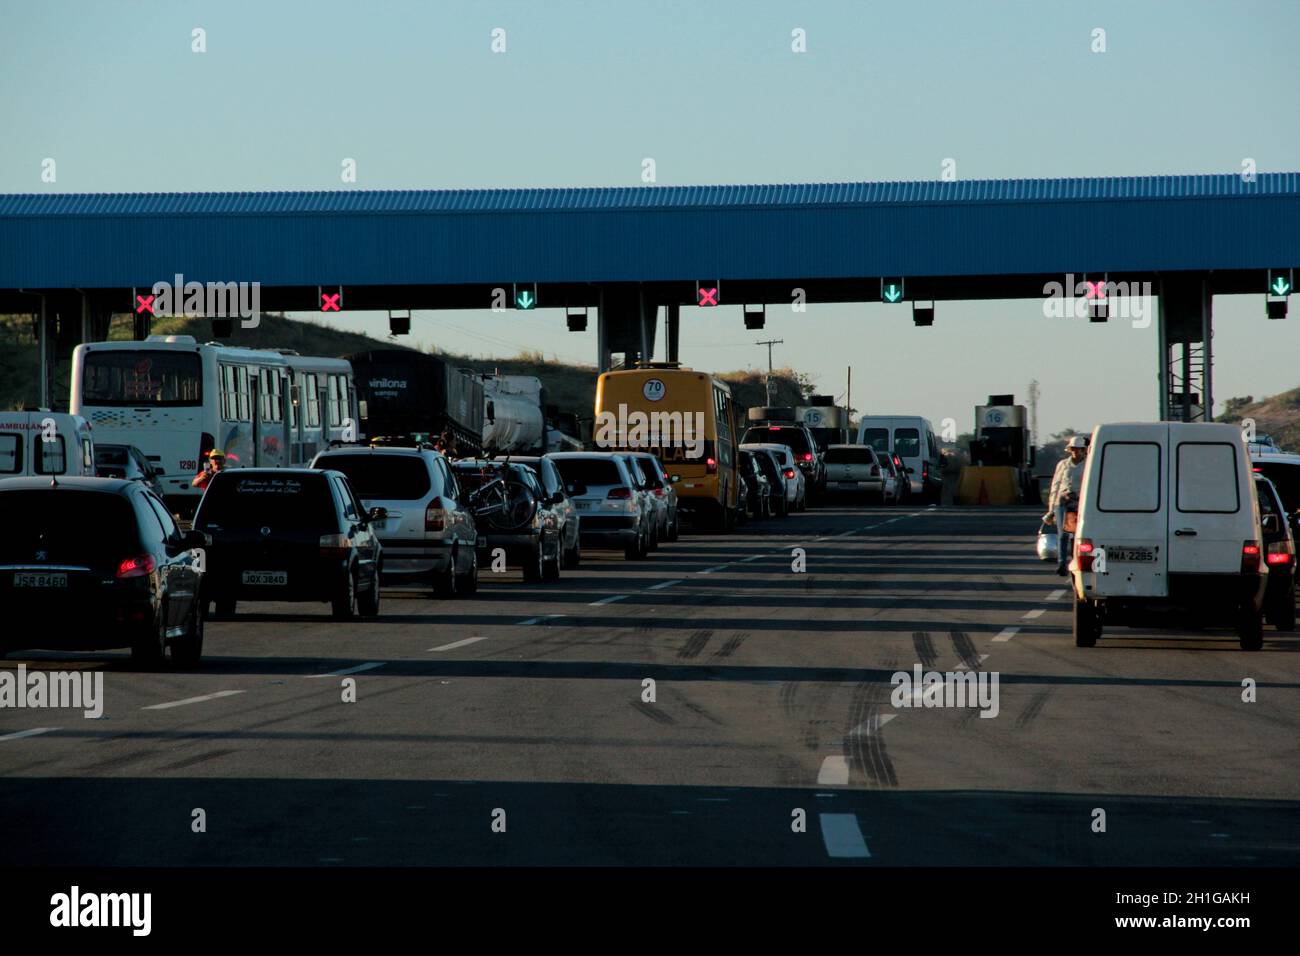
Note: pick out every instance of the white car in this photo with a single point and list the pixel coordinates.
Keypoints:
(616, 512)
(855, 468)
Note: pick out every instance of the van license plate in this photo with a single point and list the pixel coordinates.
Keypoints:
(279, 578)
(1135, 555)
(40, 580)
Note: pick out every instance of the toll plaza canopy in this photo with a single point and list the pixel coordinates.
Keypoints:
(964, 234)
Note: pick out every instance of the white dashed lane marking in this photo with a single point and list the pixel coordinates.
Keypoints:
(28, 733)
(608, 600)
(351, 670)
(193, 700)
(834, 771)
(455, 644)
(1056, 595)
(842, 835)
(664, 584)
(871, 726)
(1030, 615)
(1007, 634)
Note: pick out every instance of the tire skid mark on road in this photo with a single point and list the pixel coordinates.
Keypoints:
(964, 649)
(867, 751)
(731, 646)
(653, 712)
(695, 644)
(1034, 708)
(197, 759)
(924, 649)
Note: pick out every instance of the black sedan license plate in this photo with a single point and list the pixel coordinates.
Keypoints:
(273, 578)
(40, 580)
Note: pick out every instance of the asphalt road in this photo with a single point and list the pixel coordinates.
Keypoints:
(772, 703)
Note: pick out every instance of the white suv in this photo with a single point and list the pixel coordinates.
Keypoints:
(428, 535)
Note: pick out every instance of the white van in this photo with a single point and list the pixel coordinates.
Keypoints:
(912, 439)
(1168, 532)
(37, 442)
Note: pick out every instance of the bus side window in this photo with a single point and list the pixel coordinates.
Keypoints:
(245, 411)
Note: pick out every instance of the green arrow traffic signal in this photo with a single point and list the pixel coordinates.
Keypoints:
(525, 299)
(893, 293)
(1280, 286)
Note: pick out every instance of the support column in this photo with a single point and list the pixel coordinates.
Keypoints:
(674, 330)
(45, 346)
(1186, 330)
(603, 359)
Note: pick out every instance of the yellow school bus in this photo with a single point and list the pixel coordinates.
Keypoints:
(685, 418)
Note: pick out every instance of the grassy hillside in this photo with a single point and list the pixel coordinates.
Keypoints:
(1278, 415)
(570, 387)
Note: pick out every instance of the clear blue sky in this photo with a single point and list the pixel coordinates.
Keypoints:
(711, 90)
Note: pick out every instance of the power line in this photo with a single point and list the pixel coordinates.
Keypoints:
(769, 343)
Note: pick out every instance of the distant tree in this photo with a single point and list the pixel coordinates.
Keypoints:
(1233, 407)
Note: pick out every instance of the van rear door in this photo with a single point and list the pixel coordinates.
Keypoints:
(1126, 511)
(1206, 499)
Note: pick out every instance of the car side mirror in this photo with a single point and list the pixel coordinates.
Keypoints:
(196, 539)
(376, 514)
(1271, 524)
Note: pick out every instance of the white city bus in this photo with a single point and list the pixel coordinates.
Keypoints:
(175, 400)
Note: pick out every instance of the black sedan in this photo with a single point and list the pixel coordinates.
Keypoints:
(107, 551)
(290, 534)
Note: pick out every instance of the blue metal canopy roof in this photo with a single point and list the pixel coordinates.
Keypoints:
(653, 233)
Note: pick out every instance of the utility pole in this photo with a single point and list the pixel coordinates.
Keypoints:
(1033, 412)
(769, 343)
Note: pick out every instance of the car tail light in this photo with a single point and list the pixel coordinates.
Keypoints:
(435, 519)
(774, 428)
(1249, 556)
(1280, 552)
(1084, 551)
(711, 466)
(789, 472)
(335, 545)
(619, 493)
(659, 492)
(667, 477)
(806, 456)
(898, 463)
(136, 567)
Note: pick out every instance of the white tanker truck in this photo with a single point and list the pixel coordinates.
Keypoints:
(514, 415)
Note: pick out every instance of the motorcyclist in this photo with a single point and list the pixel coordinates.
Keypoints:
(215, 462)
(1064, 495)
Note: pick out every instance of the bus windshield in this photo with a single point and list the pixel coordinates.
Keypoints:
(153, 377)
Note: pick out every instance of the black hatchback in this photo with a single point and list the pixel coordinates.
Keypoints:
(289, 534)
(107, 552)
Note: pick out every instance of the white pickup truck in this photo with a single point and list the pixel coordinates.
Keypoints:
(854, 468)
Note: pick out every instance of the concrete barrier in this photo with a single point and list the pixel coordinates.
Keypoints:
(987, 485)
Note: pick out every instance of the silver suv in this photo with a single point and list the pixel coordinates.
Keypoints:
(428, 535)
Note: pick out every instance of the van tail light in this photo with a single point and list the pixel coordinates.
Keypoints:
(619, 492)
(335, 545)
(711, 466)
(925, 474)
(1250, 556)
(1084, 551)
(789, 472)
(137, 567)
(435, 519)
(1280, 552)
